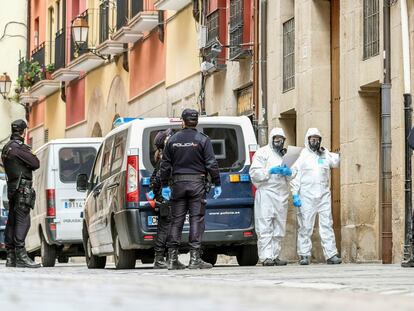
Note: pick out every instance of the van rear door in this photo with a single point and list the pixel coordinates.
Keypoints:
(72, 160)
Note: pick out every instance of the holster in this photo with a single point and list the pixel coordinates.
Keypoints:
(162, 208)
(25, 198)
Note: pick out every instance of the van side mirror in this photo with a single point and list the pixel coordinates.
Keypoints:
(82, 182)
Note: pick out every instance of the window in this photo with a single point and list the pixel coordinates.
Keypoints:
(119, 151)
(149, 156)
(106, 160)
(236, 27)
(121, 13)
(289, 55)
(213, 26)
(96, 170)
(371, 28)
(58, 21)
(228, 146)
(36, 32)
(103, 21)
(75, 161)
(137, 6)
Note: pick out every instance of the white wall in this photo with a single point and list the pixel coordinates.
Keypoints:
(11, 11)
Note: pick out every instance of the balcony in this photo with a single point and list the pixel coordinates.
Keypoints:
(110, 47)
(39, 55)
(27, 98)
(144, 22)
(44, 88)
(173, 5)
(86, 63)
(60, 49)
(126, 35)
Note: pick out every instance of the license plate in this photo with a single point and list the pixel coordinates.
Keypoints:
(76, 204)
(153, 220)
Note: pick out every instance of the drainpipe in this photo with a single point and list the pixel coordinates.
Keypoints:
(28, 36)
(386, 147)
(256, 103)
(263, 127)
(408, 232)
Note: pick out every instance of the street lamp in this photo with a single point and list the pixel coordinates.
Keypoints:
(5, 85)
(80, 30)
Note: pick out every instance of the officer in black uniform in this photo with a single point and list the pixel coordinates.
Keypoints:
(162, 208)
(187, 159)
(19, 163)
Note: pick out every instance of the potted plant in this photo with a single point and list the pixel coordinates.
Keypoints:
(31, 73)
(48, 70)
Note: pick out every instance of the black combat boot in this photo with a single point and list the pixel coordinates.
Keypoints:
(11, 258)
(279, 262)
(268, 262)
(334, 260)
(173, 262)
(196, 262)
(159, 261)
(304, 260)
(23, 261)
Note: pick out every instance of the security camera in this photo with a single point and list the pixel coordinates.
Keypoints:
(216, 48)
(207, 67)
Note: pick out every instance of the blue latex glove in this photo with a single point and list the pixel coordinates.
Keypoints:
(276, 170)
(217, 192)
(296, 200)
(151, 195)
(166, 193)
(286, 171)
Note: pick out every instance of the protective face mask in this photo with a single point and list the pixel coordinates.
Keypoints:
(314, 145)
(278, 145)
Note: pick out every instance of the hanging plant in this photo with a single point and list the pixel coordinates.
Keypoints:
(32, 72)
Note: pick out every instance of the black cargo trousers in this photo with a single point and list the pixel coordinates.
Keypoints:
(163, 228)
(18, 223)
(188, 195)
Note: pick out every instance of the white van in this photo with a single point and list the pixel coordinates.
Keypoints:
(119, 220)
(56, 229)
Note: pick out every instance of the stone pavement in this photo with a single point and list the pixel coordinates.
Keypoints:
(226, 287)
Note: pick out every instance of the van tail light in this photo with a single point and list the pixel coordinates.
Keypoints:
(50, 203)
(252, 151)
(132, 177)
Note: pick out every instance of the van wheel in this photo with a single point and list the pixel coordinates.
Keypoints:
(47, 253)
(92, 261)
(63, 259)
(248, 256)
(210, 257)
(124, 259)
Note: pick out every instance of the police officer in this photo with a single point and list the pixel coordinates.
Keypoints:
(19, 163)
(187, 159)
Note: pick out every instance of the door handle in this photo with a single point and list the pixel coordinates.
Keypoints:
(113, 185)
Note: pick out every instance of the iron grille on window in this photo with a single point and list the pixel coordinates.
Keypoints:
(213, 27)
(236, 27)
(289, 55)
(371, 28)
(38, 55)
(22, 63)
(103, 21)
(137, 7)
(121, 13)
(83, 48)
(60, 49)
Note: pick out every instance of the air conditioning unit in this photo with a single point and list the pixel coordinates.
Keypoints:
(202, 37)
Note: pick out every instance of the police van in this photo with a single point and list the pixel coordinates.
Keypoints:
(4, 211)
(119, 220)
(56, 223)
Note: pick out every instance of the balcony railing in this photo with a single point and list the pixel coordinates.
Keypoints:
(22, 62)
(38, 55)
(60, 49)
(122, 13)
(104, 21)
(79, 49)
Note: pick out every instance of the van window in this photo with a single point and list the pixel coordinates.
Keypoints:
(227, 140)
(96, 169)
(74, 161)
(106, 160)
(119, 151)
(228, 146)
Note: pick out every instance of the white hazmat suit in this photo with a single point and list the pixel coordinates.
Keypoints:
(311, 182)
(271, 201)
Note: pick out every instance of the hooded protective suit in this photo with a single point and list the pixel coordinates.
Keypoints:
(311, 182)
(271, 202)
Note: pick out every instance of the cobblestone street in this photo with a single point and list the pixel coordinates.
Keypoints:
(226, 287)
